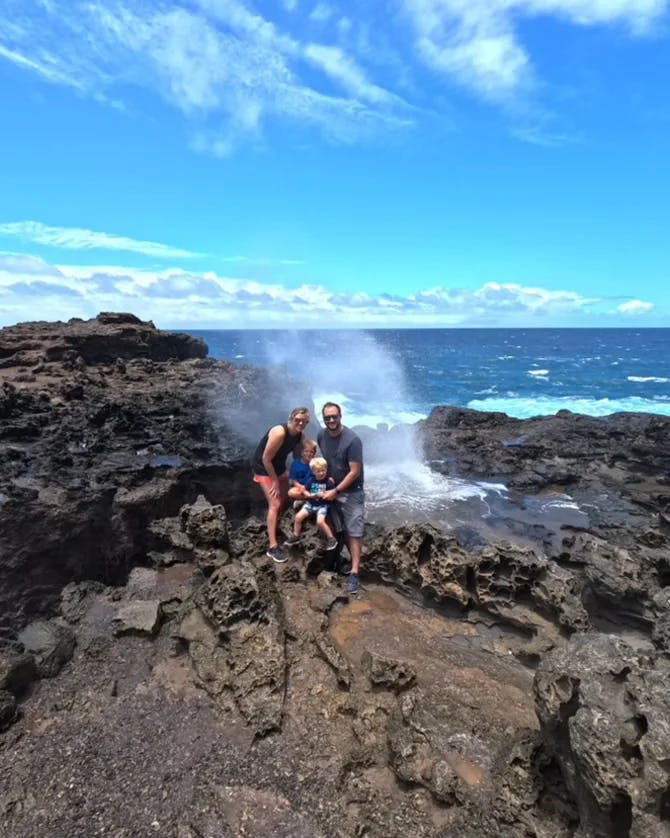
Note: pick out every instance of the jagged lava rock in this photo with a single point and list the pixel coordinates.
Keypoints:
(105, 426)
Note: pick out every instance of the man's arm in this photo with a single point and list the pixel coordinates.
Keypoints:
(347, 481)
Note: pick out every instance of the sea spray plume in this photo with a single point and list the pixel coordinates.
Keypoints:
(349, 367)
(352, 369)
(251, 400)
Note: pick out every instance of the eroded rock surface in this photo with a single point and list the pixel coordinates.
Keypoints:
(504, 679)
(105, 426)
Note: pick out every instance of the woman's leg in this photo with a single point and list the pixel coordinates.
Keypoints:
(274, 510)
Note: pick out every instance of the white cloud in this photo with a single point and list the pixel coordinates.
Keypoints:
(340, 67)
(31, 288)
(75, 238)
(635, 307)
(231, 70)
(477, 42)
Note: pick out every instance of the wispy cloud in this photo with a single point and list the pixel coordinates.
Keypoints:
(31, 288)
(75, 238)
(244, 71)
(250, 70)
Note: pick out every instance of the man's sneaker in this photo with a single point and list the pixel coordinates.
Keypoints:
(277, 554)
(331, 544)
(353, 585)
(292, 540)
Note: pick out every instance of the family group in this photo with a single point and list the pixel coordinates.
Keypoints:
(328, 487)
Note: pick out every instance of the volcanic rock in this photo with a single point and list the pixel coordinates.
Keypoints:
(501, 676)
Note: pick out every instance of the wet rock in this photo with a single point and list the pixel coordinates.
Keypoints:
(50, 643)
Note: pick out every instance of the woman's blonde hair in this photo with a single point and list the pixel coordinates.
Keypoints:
(297, 411)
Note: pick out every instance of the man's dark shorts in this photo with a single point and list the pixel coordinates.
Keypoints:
(348, 513)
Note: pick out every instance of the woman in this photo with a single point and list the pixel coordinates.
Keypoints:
(269, 466)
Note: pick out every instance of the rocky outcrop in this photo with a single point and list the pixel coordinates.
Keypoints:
(504, 677)
(95, 446)
(109, 337)
(603, 707)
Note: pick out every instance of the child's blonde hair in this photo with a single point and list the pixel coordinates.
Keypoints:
(318, 463)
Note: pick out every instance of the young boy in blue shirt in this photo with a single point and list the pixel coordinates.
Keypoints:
(314, 504)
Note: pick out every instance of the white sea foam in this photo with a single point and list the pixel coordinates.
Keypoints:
(645, 379)
(521, 408)
(538, 372)
(410, 492)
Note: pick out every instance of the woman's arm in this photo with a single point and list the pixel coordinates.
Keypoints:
(275, 439)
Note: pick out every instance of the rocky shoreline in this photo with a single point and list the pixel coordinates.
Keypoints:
(158, 677)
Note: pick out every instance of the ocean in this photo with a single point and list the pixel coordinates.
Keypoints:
(395, 376)
(399, 375)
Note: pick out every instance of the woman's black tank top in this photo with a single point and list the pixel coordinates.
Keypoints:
(279, 459)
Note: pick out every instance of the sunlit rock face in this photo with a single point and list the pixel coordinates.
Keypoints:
(502, 672)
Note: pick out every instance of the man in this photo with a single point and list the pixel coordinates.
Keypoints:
(343, 451)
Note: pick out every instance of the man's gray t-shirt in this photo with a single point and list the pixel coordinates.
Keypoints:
(339, 452)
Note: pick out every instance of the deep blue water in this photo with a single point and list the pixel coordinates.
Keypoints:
(400, 375)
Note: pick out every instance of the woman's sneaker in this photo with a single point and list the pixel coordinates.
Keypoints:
(277, 554)
(353, 586)
(292, 540)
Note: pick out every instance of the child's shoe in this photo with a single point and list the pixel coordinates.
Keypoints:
(292, 540)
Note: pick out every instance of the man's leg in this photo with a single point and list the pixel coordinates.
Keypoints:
(355, 546)
(354, 523)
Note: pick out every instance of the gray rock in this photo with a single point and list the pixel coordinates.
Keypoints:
(8, 709)
(140, 616)
(397, 675)
(17, 667)
(604, 710)
(77, 598)
(50, 643)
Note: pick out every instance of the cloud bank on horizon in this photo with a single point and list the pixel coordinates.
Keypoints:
(266, 163)
(33, 289)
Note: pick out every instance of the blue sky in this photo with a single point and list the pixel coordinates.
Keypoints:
(222, 163)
